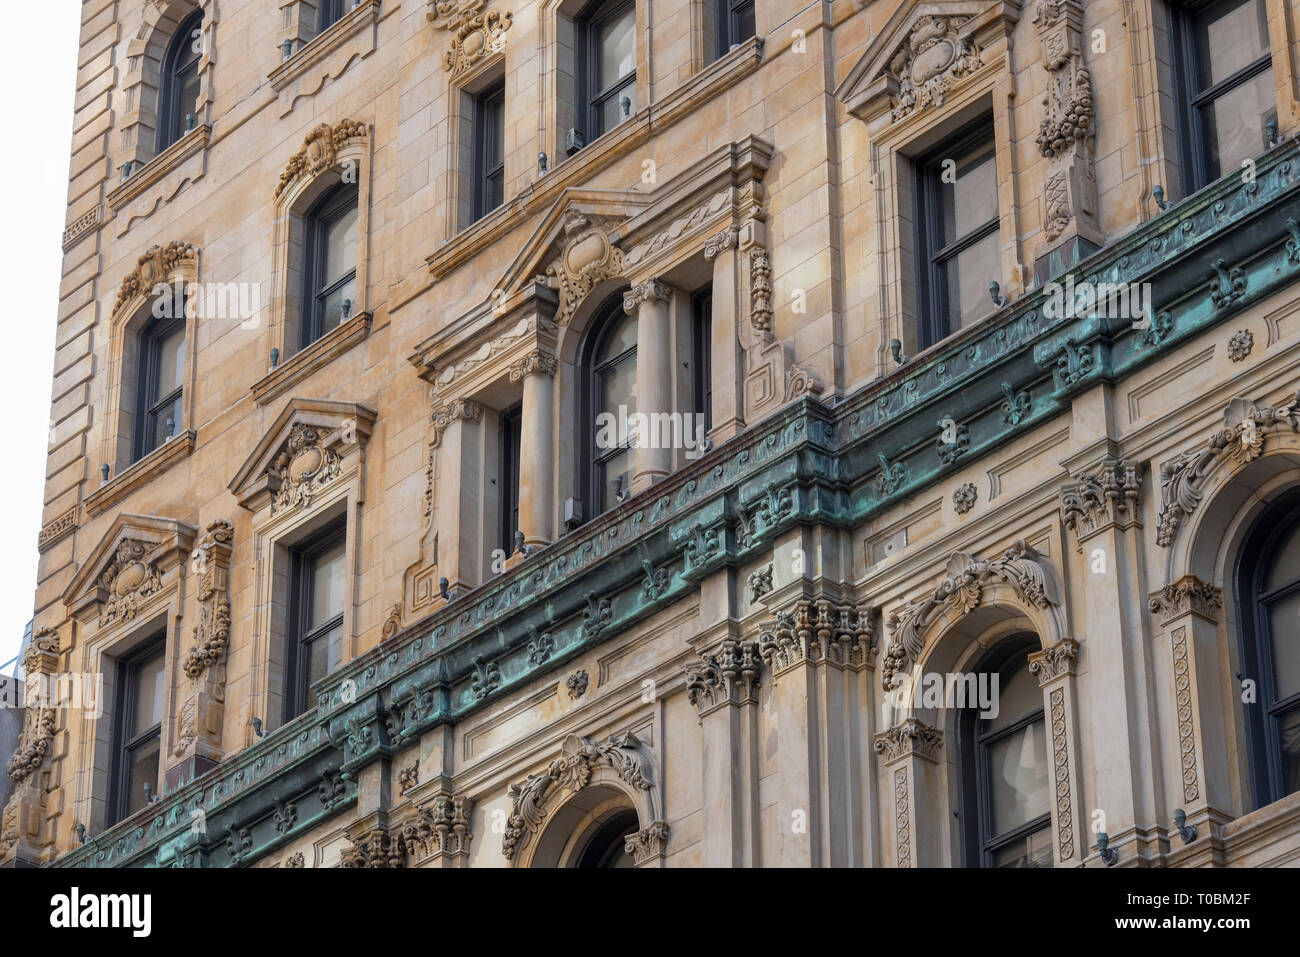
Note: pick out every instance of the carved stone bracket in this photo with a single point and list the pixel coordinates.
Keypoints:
(727, 676)
(1240, 441)
(212, 633)
(819, 632)
(962, 591)
(1106, 497)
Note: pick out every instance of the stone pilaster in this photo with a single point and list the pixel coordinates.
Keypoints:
(1055, 668)
(910, 754)
(458, 438)
(537, 449)
(648, 301)
(726, 368)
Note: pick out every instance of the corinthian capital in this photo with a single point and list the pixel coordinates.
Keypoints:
(535, 363)
(652, 290)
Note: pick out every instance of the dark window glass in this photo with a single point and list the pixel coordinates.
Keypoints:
(610, 399)
(607, 65)
(1006, 786)
(608, 846)
(735, 23)
(160, 381)
(1268, 592)
(138, 729)
(1226, 73)
(328, 12)
(958, 236)
(330, 263)
(489, 150)
(702, 348)
(317, 580)
(178, 94)
(512, 434)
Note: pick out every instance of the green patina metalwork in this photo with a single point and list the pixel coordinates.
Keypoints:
(1206, 259)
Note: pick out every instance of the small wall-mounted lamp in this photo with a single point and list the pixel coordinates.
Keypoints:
(1186, 831)
(1108, 853)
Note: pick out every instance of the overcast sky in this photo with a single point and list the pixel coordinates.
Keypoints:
(38, 74)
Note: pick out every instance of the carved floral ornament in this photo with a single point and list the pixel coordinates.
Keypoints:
(819, 631)
(319, 152)
(569, 774)
(478, 33)
(130, 581)
(588, 259)
(303, 467)
(1110, 494)
(441, 827)
(39, 723)
(1247, 426)
(910, 737)
(212, 633)
(154, 267)
(925, 66)
(962, 591)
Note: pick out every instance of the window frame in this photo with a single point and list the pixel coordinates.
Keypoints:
(127, 695)
(328, 13)
(302, 557)
(149, 404)
(590, 97)
(171, 124)
(511, 459)
(932, 299)
(1193, 145)
(589, 464)
(727, 24)
(702, 358)
(335, 203)
(1256, 647)
(489, 120)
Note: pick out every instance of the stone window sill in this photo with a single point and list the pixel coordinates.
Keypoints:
(195, 141)
(139, 474)
(323, 44)
(303, 363)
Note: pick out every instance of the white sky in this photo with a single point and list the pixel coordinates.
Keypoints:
(38, 60)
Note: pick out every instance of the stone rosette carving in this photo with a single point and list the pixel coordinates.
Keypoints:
(154, 267)
(902, 819)
(1061, 774)
(818, 632)
(588, 259)
(319, 152)
(1188, 595)
(569, 774)
(212, 633)
(129, 580)
(576, 684)
(964, 498)
(759, 582)
(1246, 426)
(408, 778)
(1110, 495)
(1186, 719)
(726, 676)
(1054, 661)
(303, 467)
(932, 58)
(961, 591)
(912, 737)
(1240, 344)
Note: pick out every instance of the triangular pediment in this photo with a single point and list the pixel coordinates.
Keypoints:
(305, 428)
(141, 546)
(924, 47)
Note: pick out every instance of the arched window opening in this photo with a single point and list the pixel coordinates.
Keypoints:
(610, 399)
(608, 846)
(178, 96)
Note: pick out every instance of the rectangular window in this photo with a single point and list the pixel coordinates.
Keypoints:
(735, 23)
(607, 65)
(330, 273)
(160, 383)
(489, 149)
(328, 12)
(702, 344)
(317, 579)
(137, 732)
(512, 434)
(957, 247)
(1225, 74)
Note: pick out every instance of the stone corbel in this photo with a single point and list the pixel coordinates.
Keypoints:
(819, 633)
(910, 754)
(1054, 667)
(437, 833)
(725, 677)
(1108, 497)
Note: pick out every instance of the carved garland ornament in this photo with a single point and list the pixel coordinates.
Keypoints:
(962, 591)
(926, 65)
(1240, 441)
(477, 37)
(569, 774)
(33, 745)
(212, 633)
(319, 152)
(303, 466)
(129, 580)
(154, 267)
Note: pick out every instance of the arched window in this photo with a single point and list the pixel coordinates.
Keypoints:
(329, 263)
(606, 462)
(178, 95)
(159, 385)
(1006, 787)
(1268, 597)
(608, 846)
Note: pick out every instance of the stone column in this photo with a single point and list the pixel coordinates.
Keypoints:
(648, 301)
(1054, 667)
(458, 438)
(910, 752)
(537, 448)
(724, 352)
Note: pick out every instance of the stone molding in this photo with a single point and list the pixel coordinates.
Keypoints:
(319, 152)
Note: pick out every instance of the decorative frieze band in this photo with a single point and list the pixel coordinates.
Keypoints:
(59, 529)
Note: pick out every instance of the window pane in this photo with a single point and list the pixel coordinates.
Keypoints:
(1289, 732)
(744, 20)
(1229, 40)
(332, 310)
(622, 339)
(1235, 122)
(188, 101)
(341, 246)
(972, 201)
(618, 465)
(1018, 695)
(1017, 769)
(327, 586)
(164, 424)
(616, 45)
(966, 279)
(171, 362)
(148, 694)
(142, 768)
(1286, 563)
(1284, 630)
(320, 661)
(618, 388)
(1033, 850)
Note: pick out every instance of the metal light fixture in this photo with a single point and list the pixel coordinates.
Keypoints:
(103, 474)
(995, 291)
(626, 103)
(444, 589)
(1158, 194)
(275, 359)
(257, 727)
(896, 351)
(1108, 853)
(1186, 831)
(347, 308)
(541, 164)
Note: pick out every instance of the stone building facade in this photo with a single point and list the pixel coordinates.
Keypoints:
(345, 284)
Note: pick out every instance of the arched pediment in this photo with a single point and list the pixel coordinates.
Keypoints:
(126, 568)
(177, 261)
(300, 453)
(925, 48)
